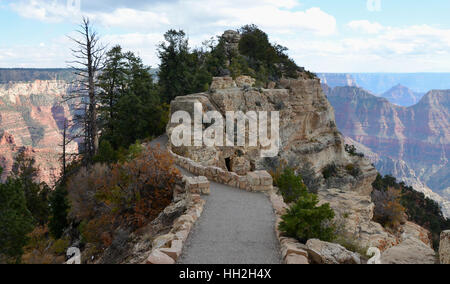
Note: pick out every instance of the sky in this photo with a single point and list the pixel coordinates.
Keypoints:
(322, 35)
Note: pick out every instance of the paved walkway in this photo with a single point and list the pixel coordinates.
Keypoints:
(236, 227)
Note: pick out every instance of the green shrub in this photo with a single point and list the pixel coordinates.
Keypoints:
(351, 149)
(60, 246)
(419, 209)
(305, 220)
(291, 186)
(353, 170)
(329, 171)
(106, 153)
(352, 245)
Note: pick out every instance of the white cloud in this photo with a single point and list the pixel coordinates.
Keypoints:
(417, 48)
(198, 14)
(45, 10)
(130, 18)
(144, 45)
(310, 34)
(366, 26)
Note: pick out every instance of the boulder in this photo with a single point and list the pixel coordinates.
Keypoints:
(182, 235)
(410, 251)
(220, 83)
(158, 257)
(355, 212)
(175, 249)
(278, 204)
(411, 230)
(245, 82)
(328, 253)
(444, 248)
(172, 212)
(296, 259)
(294, 248)
(163, 241)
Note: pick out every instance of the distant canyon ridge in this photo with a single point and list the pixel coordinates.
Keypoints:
(32, 117)
(411, 143)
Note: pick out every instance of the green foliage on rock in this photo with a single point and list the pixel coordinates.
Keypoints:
(290, 185)
(305, 220)
(330, 171)
(419, 209)
(269, 61)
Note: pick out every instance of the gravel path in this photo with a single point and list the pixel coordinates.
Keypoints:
(236, 227)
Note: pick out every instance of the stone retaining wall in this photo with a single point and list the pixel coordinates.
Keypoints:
(444, 248)
(258, 181)
(166, 249)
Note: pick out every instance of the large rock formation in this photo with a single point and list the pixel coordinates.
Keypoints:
(31, 120)
(309, 138)
(410, 143)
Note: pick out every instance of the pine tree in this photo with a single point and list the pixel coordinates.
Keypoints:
(174, 68)
(59, 208)
(135, 110)
(112, 82)
(16, 221)
(24, 171)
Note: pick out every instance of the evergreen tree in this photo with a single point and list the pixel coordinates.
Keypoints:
(16, 221)
(25, 173)
(180, 72)
(59, 208)
(133, 109)
(112, 81)
(291, 186)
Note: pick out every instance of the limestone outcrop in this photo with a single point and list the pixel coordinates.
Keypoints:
(410, 251)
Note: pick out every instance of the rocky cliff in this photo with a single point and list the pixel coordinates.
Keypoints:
(32, 119)
(309, 140)
(410, 143)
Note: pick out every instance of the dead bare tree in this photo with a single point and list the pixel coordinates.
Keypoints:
(87, 64)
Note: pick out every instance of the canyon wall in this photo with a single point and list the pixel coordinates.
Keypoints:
(32, 118)
(411, 143)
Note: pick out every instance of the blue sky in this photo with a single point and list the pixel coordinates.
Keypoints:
(322, 35)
